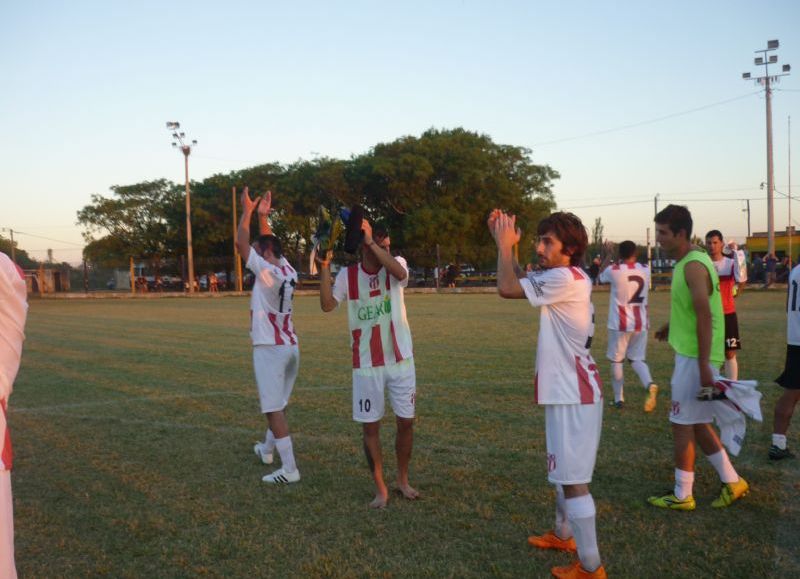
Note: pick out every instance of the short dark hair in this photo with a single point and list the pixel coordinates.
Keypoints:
(676, 217)
(627, 249)
(569, 230)
(270, 242)
(714, 233)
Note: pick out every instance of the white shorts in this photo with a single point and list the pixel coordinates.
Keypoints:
(573, 435)
(686, 408)
(276, 370)
(368, 385)
(630, 345)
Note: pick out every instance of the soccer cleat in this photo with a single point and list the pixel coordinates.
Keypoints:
(261, 452)
(280, 476)
(650, 403)
(576, 571)
(670, 501)
(776, 453)
(552, 541)
(619, 404)
(730, 493)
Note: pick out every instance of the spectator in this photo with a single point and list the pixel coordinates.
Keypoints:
(771, 263)
(758, 269)
(594, 270)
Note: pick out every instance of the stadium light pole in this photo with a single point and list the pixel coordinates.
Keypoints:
(766, 80)
(179, 143)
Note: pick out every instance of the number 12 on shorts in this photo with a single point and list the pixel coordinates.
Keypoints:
(364, 405)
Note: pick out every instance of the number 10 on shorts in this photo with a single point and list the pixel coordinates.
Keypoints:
(364, 405)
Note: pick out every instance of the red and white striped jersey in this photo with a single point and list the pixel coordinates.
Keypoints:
(13, 312)
(627, 305)
(565, 370)
(271, 302)
(376, 310)
(729, 275)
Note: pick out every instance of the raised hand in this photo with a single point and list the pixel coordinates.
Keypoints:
(493, 219)
(249, 205)
(506, 233)
(265, 206)
(324, 261)
(367, 229)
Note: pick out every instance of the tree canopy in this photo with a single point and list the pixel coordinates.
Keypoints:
(437, 188)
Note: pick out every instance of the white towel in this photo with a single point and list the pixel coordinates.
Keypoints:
(742, 399)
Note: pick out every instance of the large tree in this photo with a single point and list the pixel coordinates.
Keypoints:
(138, 220)
(438, 189)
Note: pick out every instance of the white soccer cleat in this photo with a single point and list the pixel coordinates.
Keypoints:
(261, 452)
(280, 476)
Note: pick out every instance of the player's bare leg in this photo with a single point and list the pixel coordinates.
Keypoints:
(404, 442)
(372, 450)
(278, 423)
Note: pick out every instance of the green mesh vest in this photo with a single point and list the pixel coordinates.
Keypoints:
(682, 317)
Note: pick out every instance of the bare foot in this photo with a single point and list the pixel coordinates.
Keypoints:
(408, 491)
(380, 500)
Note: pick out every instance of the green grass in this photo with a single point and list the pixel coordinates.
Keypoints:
(133, 423)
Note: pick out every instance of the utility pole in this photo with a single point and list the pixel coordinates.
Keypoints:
(236, 257)
(766, 81)
(748, 216)
(178, 143)
(790, 228)
(658, 249)
(649, 258)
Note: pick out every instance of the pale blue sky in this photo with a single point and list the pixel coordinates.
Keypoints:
(88, 87)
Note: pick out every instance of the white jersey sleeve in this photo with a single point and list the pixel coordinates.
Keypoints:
(404, 264)
(340, 286)
(605, 276)
(547, 286)
(793, 308)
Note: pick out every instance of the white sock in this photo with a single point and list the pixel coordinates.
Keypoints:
(284, 446)
(269, 441)
(722, 464)
(617, 381)
(643, 372)
(684, 481)
(731, 369)
(562, 530)
(581, 514)
(779, 440)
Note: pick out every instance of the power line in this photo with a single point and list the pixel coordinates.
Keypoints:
(48, 238)
(647, 122)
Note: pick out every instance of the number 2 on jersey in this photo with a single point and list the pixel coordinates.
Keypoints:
(637, 297)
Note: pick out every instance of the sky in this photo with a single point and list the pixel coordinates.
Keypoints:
(626, 100)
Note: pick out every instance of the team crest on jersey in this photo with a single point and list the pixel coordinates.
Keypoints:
(374, 282)
(676, 408)
(551, 462)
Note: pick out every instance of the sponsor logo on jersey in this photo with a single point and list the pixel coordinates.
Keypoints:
(375, 310)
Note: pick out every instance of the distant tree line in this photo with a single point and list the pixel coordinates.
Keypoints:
(435, 189)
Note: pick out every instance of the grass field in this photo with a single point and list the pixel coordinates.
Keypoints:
(133, 424)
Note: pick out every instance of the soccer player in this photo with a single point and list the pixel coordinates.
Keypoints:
(628, 322)
(567, 381)
(276, 355)
(730, 284)
(694, 331)
(790, 378)
(13, 311)
(380, 339)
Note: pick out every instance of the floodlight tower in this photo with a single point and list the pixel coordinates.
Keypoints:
(765, 81)
(179, 143)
